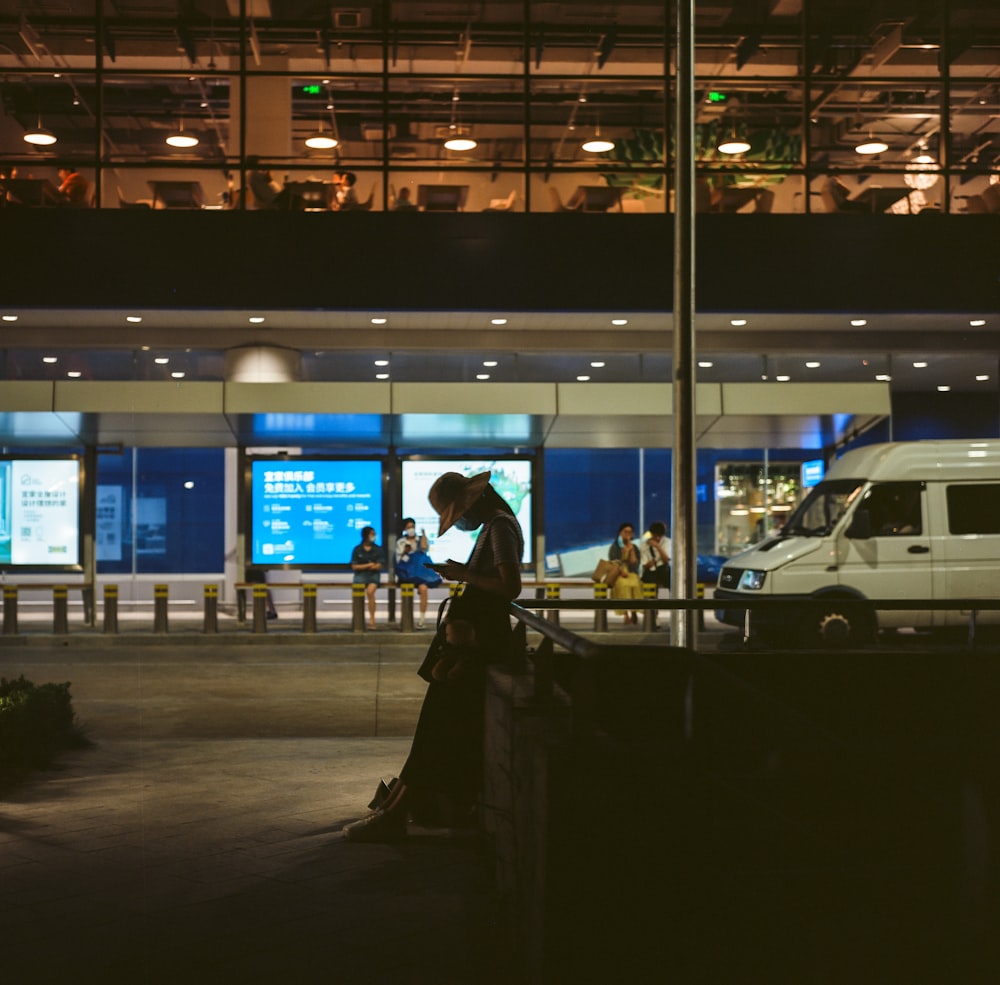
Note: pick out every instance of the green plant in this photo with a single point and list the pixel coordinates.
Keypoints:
(36, 721)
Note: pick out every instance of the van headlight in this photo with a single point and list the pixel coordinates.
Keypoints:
(753, 581)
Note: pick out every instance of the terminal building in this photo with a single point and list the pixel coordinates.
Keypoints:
(247, 231)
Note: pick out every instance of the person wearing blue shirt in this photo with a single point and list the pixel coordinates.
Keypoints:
(367, 561)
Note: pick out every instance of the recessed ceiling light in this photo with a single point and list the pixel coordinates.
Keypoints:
(705, 364)
(597, 365)
(10, 317)
(256, 320)
(189, 484)
(379, 321)
(50, 359)
(582, 379)
(859, 322)
(145, 348)
(161, 360)
(74, 374)
(737, 322)
(381, 376)
(498, 321)
(977, 322)
(920, 365)
(982, 378)
(134, 319)
(782, 379)
(883, 377)
(489, 362)
(177, 374)
(482, 376)
(813, 365)
(619, 321)
(943, 389)
(381, 362)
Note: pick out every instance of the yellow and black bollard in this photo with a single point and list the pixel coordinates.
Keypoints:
(160, 596)
(260, 608)
(10, 610)
(357, 607)
(110, 609)
(552, 592)
(308, 608)
(600, 615)
(406, 607)
(211, 608)
(60, 614)
(699, 592)
(649, 615)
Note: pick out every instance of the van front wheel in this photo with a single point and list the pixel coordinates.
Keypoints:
(838, 623)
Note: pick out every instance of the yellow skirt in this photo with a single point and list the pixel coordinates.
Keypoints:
(626, 586)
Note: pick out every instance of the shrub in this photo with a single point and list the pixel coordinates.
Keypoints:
(36, 721)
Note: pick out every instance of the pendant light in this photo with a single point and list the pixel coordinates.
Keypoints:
(460, 138)
(321, 140)
(871, 146)
(182, 139)
(39, 136)
(598, 144)
(733, 144)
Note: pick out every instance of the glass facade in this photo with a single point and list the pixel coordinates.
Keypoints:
(803, 105)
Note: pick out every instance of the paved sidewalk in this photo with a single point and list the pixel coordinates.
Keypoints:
(198, 840)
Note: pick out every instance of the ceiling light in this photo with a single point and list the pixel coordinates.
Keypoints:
(598, 144)
(379, 321)
(705, 364)
(738, 322)
(489, 362)
(482, 376)
(813, 365)
(943, 389)
(582, 379)
(10, 317)
(597, 365)
(50, 359)
(883, 377)
(256, 319)
(322, 140)
(177, 375)
(181, 138)
(782, 379)
(975, 323)
(134, 319)
(189, 484)
(381, 362)
(871, 146)
(920, 365)
(161, 360)
(498, 321)
(733, 144)
(74, 374)
(859, 322)
(619, 321)
(381, 376)
(982, 378)
(460, 142)
(39, 136)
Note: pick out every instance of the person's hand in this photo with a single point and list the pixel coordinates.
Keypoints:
(452, 570)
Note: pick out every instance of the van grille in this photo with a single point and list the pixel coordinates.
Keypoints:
(730, 577)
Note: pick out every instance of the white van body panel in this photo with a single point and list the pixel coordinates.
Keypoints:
(929, 563)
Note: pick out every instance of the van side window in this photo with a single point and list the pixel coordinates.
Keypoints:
(894, 508)
(974, 508)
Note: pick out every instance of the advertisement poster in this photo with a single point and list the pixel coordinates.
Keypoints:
(511, 479)
(312, 512)
(108, 532)
(39, 512)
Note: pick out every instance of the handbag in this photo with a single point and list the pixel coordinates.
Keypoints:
(606, 572)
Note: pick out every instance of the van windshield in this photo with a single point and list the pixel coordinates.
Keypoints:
(819, 512)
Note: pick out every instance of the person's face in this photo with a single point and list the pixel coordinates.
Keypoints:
(370, 537)
(626, 534)
(410, 531)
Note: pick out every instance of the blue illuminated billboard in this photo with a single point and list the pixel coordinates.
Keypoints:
(40, 513)
(311, 511)
(812, 472)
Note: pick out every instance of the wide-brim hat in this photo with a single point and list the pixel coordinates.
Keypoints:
(453, 493)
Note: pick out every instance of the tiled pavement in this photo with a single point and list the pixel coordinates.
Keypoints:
(198, 839)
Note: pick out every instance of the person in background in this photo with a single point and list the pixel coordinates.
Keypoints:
(627, 585)
(411, 565)
(346, 197)
(403, 202)
(442, 777)
(367, 561)
(654, 556)
(265, 192)
(73, 187)
(257, 576)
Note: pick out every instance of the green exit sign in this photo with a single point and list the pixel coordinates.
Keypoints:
(717, 97)
(311, 90)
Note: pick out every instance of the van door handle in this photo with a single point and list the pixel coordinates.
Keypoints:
(918, 549)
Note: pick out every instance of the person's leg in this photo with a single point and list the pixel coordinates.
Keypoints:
(422, 589)
(370, 592)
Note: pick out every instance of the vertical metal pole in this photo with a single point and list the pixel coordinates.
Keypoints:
(160, 598)
(211, 624)
(406, 607)
(600, 615)
(110, 609)
(260, 608)
(60, 616)
(10, 610)
(684, 537)
(308, 608)
(552, 592)
(357, 607)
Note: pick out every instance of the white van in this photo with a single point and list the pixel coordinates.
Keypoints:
(916, 520)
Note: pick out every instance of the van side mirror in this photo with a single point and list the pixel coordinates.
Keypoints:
(861, 526)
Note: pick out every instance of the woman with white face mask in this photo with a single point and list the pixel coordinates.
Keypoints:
(367, 560)
(411, 565)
